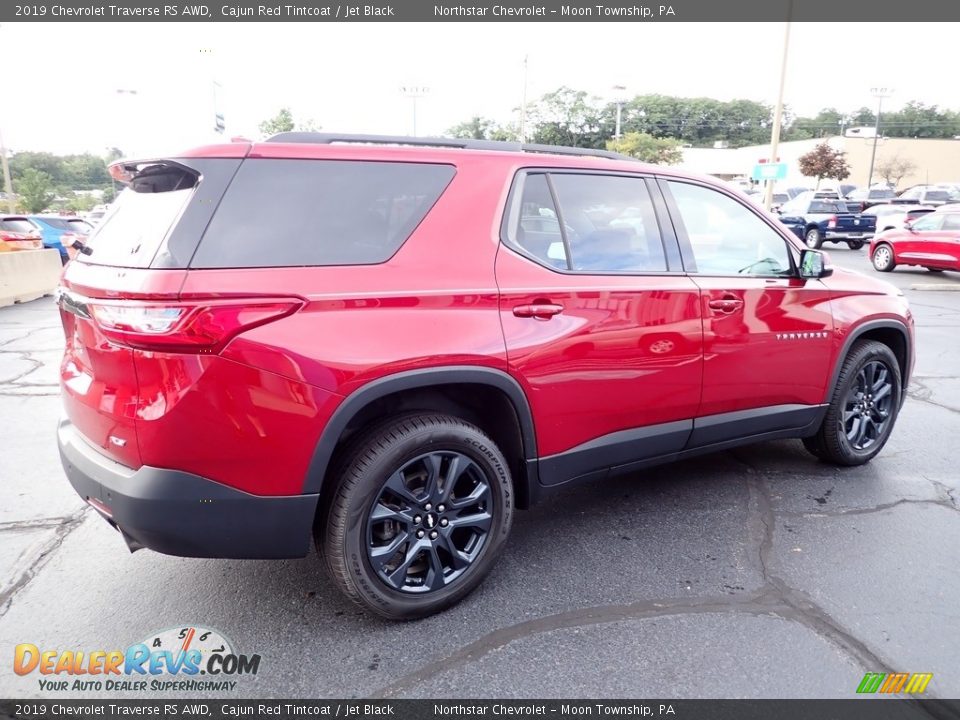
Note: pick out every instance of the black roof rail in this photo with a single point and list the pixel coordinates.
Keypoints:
(460, 143)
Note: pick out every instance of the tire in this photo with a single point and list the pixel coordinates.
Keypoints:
(935, 269)
(863, 408)
(404, 538)
(813, 239)
(855, 244)
(883, 259)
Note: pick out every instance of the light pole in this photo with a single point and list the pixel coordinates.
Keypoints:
(121, 92)
(778, 112)
(414, 92)
(620, 89)
(7, 183)
(879, 93)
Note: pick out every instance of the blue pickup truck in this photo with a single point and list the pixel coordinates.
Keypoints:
(819, 220)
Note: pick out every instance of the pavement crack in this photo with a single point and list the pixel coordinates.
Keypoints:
(35, 524)
(63, 528)
(759, 603)
(948, 502)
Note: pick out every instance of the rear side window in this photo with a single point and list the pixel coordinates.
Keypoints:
(136, 224)
(287, 213)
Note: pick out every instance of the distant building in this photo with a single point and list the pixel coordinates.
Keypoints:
(934, 161)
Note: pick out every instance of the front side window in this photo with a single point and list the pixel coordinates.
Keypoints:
(951, 222)
(726, 237)
(588, 223)
(928, 222)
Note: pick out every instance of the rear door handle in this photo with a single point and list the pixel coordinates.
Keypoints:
(540, 311)
(726, 305)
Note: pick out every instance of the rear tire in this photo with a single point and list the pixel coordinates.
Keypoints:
(863, 408)
(855, 244)
(422, 509)
(813, 239)
(883, 259)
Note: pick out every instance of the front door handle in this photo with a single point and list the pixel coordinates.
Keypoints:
(726, 305)
(540, 311)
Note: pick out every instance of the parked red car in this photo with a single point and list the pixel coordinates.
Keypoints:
(392, 343)
(931, 241)
(17, 233)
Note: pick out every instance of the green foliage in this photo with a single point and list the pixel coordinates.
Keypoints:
(71, 172)
(283, 122)
(573, 118)
(824, 162)
(35, 190)
(662, 151)
(570, 118)
(481, 128)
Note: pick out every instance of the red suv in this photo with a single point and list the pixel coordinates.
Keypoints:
(392, 343)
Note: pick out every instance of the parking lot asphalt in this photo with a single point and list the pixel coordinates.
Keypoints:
(758, 572)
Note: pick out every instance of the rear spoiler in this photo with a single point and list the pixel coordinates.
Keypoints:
(158, 175)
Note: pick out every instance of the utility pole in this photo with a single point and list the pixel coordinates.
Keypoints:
(879, 93)
(778, 113)
(523, 103)
(7, 183)
(620, 89)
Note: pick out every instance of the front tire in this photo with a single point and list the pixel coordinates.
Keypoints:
(883, 259)
(863, 408)
(813, 239)
(421, 512)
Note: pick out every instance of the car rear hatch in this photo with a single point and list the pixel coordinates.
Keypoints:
(122, 292)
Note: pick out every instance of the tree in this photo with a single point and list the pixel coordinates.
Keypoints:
(824, 162)
(894, 169)
(570, 118)
(35, 189)
(481, 128)
(662, 151)
(281, 122)
(476, 128)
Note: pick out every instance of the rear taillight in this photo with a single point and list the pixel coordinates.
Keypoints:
(832, 222)
(195, 327)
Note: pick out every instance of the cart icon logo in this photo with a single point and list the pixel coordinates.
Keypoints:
(893, 683)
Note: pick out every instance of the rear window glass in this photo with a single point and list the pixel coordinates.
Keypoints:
(17, 225)
(818, 206)
(881, 194)
(285, 213)
(138, 221)
(68, 224)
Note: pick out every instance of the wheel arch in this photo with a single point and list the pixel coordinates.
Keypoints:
(490, 398)
(892, 333)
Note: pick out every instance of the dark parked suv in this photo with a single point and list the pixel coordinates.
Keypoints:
(392, 343)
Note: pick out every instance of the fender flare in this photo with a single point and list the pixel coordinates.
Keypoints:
(855, 335)
(423, 378)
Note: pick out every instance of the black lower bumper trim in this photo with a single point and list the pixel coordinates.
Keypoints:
(178, 513)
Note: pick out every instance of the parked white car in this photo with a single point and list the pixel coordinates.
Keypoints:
(895, 217)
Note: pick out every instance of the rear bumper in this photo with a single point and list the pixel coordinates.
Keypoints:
(177, 513)
(848, 235)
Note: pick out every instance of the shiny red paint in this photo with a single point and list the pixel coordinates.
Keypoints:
(625, 352)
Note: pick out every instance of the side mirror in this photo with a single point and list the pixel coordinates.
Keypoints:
(815, 264)
(908, 225)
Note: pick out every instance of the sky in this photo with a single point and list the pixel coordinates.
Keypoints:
(348, 77)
